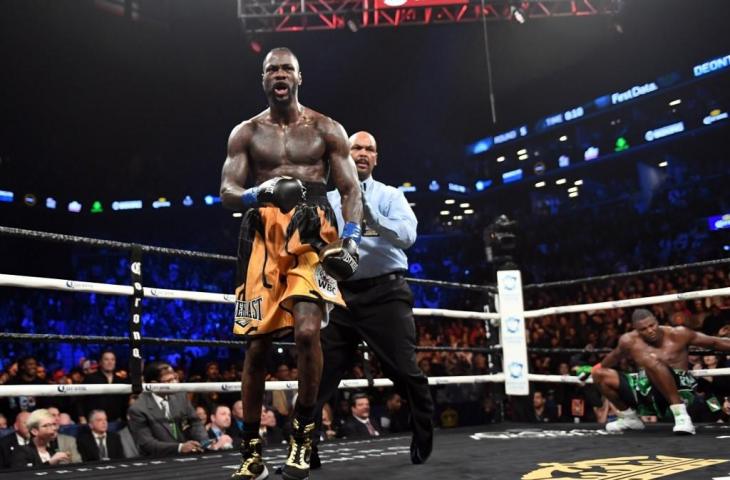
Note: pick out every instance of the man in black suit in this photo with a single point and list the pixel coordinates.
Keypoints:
(19, 438)
(394, 418)
(115, 406)
(237, 419)
(165, 424)
(270, 432)
(358, 424)
(98, 443)
(220, 428)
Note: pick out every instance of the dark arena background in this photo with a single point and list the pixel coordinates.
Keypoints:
(585, 143)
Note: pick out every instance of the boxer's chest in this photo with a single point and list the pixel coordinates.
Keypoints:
(275, 145)
(670, 353)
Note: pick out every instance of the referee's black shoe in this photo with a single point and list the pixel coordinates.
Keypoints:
(421, 449)
(314, 461)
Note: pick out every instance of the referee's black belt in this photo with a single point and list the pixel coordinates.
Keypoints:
(365, 283)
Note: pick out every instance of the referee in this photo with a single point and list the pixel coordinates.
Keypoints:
(379, 300)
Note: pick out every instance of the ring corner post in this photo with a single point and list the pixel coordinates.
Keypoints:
(513, 332)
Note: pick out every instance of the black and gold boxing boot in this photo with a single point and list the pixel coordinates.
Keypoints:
(252, 463)
(300, 449)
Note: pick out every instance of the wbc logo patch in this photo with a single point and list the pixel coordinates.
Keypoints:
(326, 284)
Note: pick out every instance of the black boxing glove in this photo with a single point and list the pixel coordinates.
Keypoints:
(283, 192)
(340, 258)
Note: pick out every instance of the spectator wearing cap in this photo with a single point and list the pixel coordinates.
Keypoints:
(60, 377)
(89, 367)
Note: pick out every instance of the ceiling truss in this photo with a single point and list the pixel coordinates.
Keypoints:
(303, 15)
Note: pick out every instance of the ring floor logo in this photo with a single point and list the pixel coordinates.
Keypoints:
(620, 468)
(538, 433)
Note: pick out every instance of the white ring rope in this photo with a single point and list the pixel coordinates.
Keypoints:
(226, 387)
(534, 377)
(464, 314)
(631, 302)
(103, 288)
(44, 283)
(93, 389)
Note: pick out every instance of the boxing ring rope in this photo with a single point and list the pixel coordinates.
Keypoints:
(535, 377)
(98, 339)
(99, 243)
(631, 302)
(635, 273)
(149, 292)
(54, 390)
(23, 281)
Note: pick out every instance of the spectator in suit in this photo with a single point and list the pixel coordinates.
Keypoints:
(128, 444)
(541, 412)
(42, 450)
(165, 424)
(395, 417)
(98, 443)
(358, 425)
(237, 419)
(269, 431)
(202, 414)
(219, 429)
(63, 442)
(19, 438)
(115, 406)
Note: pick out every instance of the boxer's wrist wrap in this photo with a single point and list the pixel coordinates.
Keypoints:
(352, 230)
(250, 196)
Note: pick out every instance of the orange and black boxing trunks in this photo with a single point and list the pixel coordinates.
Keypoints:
(278, 264)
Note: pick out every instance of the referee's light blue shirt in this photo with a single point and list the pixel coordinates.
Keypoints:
(381, 249)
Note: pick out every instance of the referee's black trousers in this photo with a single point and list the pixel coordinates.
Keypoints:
(379, 312)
